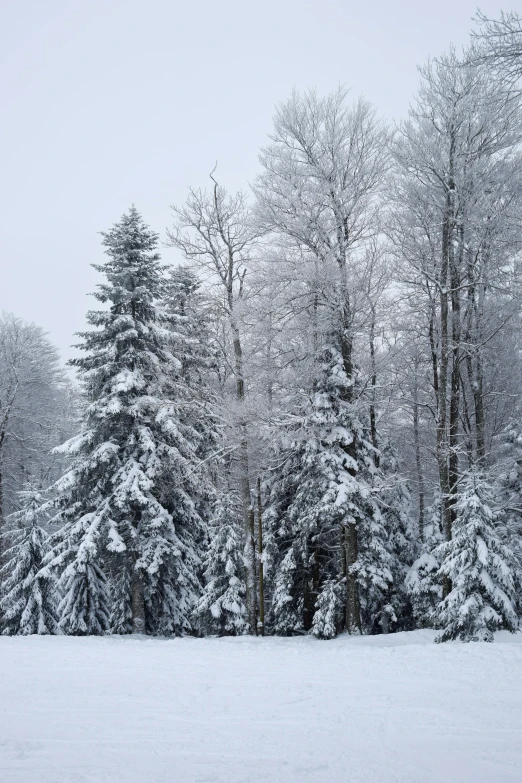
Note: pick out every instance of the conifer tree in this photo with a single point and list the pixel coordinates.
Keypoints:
(120, 592)
(28, 601)
(191, 340)
(288, 602)
(222, 607)
(392, 610)
(329, 610)
(84, 607)
(192, 344)
(328, 489)
(481, 568)
(423, 582)
(293, 569)
(129, 497)
(510, 489)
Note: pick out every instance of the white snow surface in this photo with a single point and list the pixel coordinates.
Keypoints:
(390, 709)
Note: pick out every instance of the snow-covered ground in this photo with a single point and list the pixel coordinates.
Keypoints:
(135, 710)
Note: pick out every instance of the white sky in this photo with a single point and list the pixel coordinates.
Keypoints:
(109, 102)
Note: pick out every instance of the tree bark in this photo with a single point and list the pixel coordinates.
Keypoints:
(442, 419)
(244, 475)
(353, 614)
(261, 625)
(418, 456)
(373, 398)
(453, 439)
(138, 602)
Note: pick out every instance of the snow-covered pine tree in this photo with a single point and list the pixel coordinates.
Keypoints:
(85, 605)
(510, 489)
(192, 343)
(171, 593)
(222, 607)
(293, 567)
(328, 616)
(119, 568)
(191, 339)
(481, 568)
(328, 489)
(29, 599)
(423, 582)
(288, 602)
(128, 501)
(393, 610)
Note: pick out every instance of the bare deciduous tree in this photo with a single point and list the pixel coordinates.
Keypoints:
(214, 231)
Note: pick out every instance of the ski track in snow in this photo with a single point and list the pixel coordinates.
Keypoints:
(394, 709)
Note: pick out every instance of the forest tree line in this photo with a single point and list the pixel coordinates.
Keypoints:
(312, 423)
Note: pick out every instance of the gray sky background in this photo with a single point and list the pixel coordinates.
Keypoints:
(109, 102)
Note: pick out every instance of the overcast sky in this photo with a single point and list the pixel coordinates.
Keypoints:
(109, 102)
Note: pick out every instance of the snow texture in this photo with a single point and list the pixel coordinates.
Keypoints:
(382, 709)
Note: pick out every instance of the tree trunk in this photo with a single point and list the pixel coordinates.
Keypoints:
(261, 625)
(453, 440)
(353, 612)
(249, 532)
(244, 480)
(138, 602)
(373, 398)
(418, 456)
(442, 418)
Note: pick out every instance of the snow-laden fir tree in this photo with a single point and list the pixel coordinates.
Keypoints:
(120, 593)
(169, 593)
(29, 599)
(482, 570)
(286, 615)
(393, 610)
(222, 607)
(510, 490)
(328, 491)
(191, 339)
(129, 502)
(328, 616)
(423, 582)
(85, 606)
(292, 573)
(192, 343)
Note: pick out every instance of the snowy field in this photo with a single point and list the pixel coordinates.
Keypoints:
(387, 709)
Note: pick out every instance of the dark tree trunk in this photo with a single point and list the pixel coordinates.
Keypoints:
(138, 602)
(353, 612)
(373, 398)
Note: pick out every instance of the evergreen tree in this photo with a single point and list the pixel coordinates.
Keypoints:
(222, 606)
(29, 598)
(423, 582)
(329, 610)
(189, 322)
(510, 489)
(393, 609)
(481, 568)
(192, 345)
(287, 602)
(120, 592)
(84, 608)
(131, 490)
(328, 488)
(292, 568)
